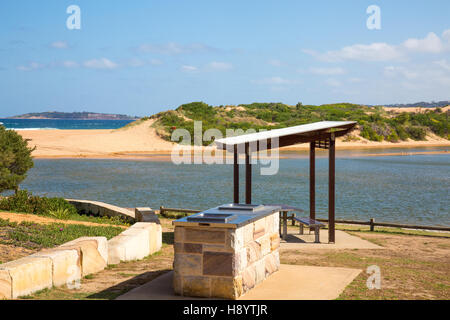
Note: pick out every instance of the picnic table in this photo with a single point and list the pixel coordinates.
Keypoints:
(284, 217)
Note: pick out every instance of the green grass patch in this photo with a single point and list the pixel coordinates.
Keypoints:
(37, 236)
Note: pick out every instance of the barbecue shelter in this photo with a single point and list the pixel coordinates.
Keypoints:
(320, 135)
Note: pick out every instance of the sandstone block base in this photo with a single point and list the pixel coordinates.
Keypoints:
(24, 276)
(93, 253)
(66, 265)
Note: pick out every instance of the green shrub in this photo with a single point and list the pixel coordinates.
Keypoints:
(60, 213)
(24, 201)
(416, 133)
(393, 137)
(15, 159)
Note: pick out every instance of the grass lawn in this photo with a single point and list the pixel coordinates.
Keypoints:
(20, 239)
(413, 266)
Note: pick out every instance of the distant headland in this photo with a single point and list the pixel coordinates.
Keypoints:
(73, 116)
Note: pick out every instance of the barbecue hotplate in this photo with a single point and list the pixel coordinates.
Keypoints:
(211, 217)
(234, 214)
(240, 206)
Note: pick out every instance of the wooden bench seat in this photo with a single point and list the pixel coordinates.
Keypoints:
(312, 224)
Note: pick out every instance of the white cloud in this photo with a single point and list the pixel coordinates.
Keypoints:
(372, 52)
(275, 62)
(274, 81)
(327, 71)
(446, 35)
(102, 63)
(406, 73)
(155, 62)
(189, 69)
(70, 64)
(59, 45)
(431, 43)
(31, 66)
(333, 83)
(173, 48)
(443, 64)
(381, 51)
(219, 66)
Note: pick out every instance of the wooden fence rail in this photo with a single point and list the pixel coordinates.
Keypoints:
(370, 223)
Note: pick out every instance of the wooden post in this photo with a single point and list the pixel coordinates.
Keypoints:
(312, 181)
(236, 175)
(331, 190)
(248, 175)
(372, 224)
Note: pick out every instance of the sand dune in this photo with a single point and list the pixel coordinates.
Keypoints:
(142, 139)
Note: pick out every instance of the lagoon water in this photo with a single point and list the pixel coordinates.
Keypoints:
(402, 189)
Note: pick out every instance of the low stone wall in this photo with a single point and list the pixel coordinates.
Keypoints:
(224, 262)
(135, 243)
(58, 266)
(69, 262)
(104, 209)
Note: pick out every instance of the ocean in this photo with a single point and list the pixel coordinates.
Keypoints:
(43, 124)
(402, 189)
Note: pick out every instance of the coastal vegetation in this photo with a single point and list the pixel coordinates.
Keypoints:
(375, 123)
(73, 116)
(58, 208)
(15, 159)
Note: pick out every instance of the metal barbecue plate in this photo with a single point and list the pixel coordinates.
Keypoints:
(211, 217)
(241, 207)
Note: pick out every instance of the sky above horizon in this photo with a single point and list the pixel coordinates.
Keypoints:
(142, 57)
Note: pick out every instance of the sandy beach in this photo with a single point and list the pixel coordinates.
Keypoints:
(142, 139)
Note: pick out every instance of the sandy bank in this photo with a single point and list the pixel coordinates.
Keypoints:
(141, 139)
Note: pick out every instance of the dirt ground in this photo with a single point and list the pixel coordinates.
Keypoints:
(411, 267)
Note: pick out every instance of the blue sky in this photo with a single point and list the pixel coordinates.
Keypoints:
(142, 57)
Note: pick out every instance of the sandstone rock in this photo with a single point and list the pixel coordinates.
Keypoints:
(154, 234)
(218, 263)
(264, 242)
(276, 222)
(274, 241)
(66, 267)
(177, 284)
(249, 278)
(188, 264)
(196, 286)
(235, 238)
(179, 234)
(226, 287)
(146, 215)
(260, 268)
(130, 245)
(272, 264)
(248, 232)
(25, 276)
(253, 252)
(204, 235)
(259, 229)
(93, 252)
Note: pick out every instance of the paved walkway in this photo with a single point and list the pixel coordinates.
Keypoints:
(291, 282)
(343, 241)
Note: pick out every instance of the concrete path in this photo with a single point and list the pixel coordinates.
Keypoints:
(343, 241)
(291, 282)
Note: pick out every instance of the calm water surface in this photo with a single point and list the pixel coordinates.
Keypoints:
(407, 189)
